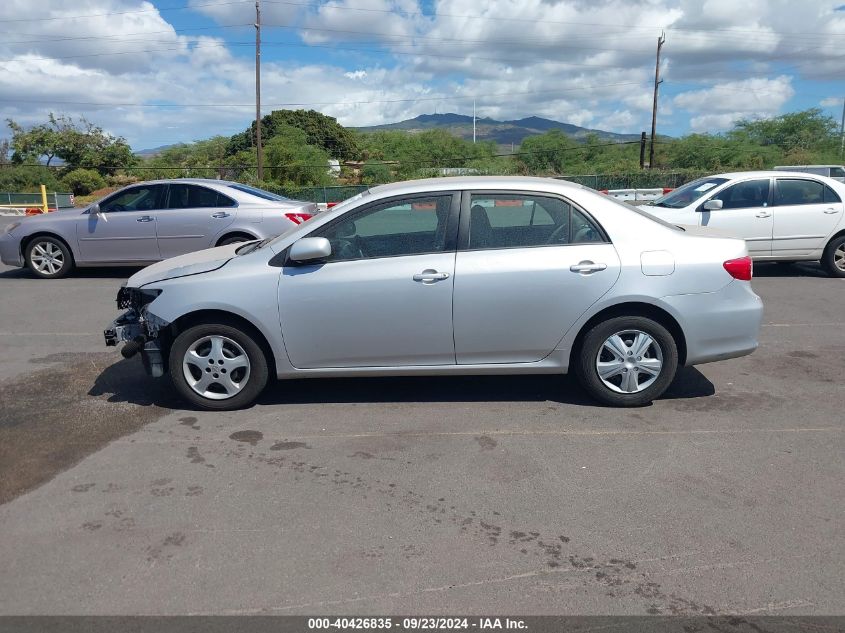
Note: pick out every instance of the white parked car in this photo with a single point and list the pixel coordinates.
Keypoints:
(470, 275)
(783, 216)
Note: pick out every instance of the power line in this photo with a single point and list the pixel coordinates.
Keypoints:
(332, 103)
(100, 15)
(446, 159)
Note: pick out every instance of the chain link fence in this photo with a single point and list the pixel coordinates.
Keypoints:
(645, 179)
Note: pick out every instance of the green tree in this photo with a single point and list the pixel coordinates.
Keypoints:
(807, 130)
(549, 152)
(375, 173)
(83, 181)
(79, 144)
(320, 131)
(292, 162)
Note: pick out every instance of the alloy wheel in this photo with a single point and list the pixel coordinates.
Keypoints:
(629, 361)
(47, 258)
(216, 367)
(839, 257)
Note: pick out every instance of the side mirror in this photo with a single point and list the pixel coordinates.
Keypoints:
(712, 205)
(310, 249)
(94, 209)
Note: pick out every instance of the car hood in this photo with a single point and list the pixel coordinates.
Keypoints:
(184, 265)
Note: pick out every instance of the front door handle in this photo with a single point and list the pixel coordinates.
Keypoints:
(764, 214)
(429, 276)
(220, 214)
(145, 218)
(587, 267)
(830, 211)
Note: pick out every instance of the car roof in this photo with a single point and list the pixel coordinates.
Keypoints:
(473, 182)
(770, 173)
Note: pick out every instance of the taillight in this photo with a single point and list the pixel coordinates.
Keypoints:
(740, 268)
(298, 218)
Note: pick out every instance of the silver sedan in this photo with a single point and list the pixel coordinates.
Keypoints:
(148, 222)
(466, 275)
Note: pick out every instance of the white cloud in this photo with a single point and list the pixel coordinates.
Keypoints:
(588, 63)
(830, 102)
(716, 108)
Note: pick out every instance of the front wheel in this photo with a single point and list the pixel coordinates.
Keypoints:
(48, 258)
(218, 367)
(627, 361)
(833, 259)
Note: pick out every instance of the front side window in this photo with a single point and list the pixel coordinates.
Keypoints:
(745, 195)
(142, 198)
(837, 172)
(796, 192)
(400, 227)
(525, 220)
(184, 196)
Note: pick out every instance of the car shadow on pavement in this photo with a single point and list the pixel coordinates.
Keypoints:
(797, 269)
(117, 272)
(125, 381)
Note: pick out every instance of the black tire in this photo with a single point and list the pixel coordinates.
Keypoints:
(234, 239)
(43, 254)
(256, 379)
(829, 258)
(593, 344)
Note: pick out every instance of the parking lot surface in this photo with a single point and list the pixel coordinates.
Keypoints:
(427, 495)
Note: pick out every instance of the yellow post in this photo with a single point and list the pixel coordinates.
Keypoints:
(44, 208)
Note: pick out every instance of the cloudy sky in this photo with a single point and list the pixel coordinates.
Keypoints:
(179, 70)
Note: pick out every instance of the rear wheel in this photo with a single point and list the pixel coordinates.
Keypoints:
(833, 259)
(627, 361)
(48, 257)
(218, 367)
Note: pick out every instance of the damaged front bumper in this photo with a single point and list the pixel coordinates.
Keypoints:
(140, 330)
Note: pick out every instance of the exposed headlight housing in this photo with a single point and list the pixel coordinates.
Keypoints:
(135, 298)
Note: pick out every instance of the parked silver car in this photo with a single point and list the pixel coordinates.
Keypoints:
(469, 275)
(148, 222)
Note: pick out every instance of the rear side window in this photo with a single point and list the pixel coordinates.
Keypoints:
(837, 172)
(797, 192)
(183, 196)
(745, 195)
(526, 220)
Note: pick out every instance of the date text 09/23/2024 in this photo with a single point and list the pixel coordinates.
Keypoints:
(417, 624)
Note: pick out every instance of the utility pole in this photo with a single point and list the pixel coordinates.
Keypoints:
(842, 132)
(473, 121)
(657, 82)
(258, 90)
(642, 150)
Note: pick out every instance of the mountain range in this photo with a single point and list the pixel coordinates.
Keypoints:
(502, 132)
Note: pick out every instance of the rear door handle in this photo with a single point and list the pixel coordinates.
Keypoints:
(145, 218)
(587, 267)
(430, 276)
(830, 211)
(220, 214)
(764, 214)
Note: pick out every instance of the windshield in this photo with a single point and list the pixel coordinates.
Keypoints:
(687, 194)
(258, 193)
(338, 207)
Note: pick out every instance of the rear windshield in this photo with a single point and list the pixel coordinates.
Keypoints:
(646, 214)
(258, 193)
(687, 194)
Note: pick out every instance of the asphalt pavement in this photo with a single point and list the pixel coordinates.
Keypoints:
(465, 495)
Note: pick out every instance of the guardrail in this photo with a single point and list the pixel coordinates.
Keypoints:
(19, 203)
